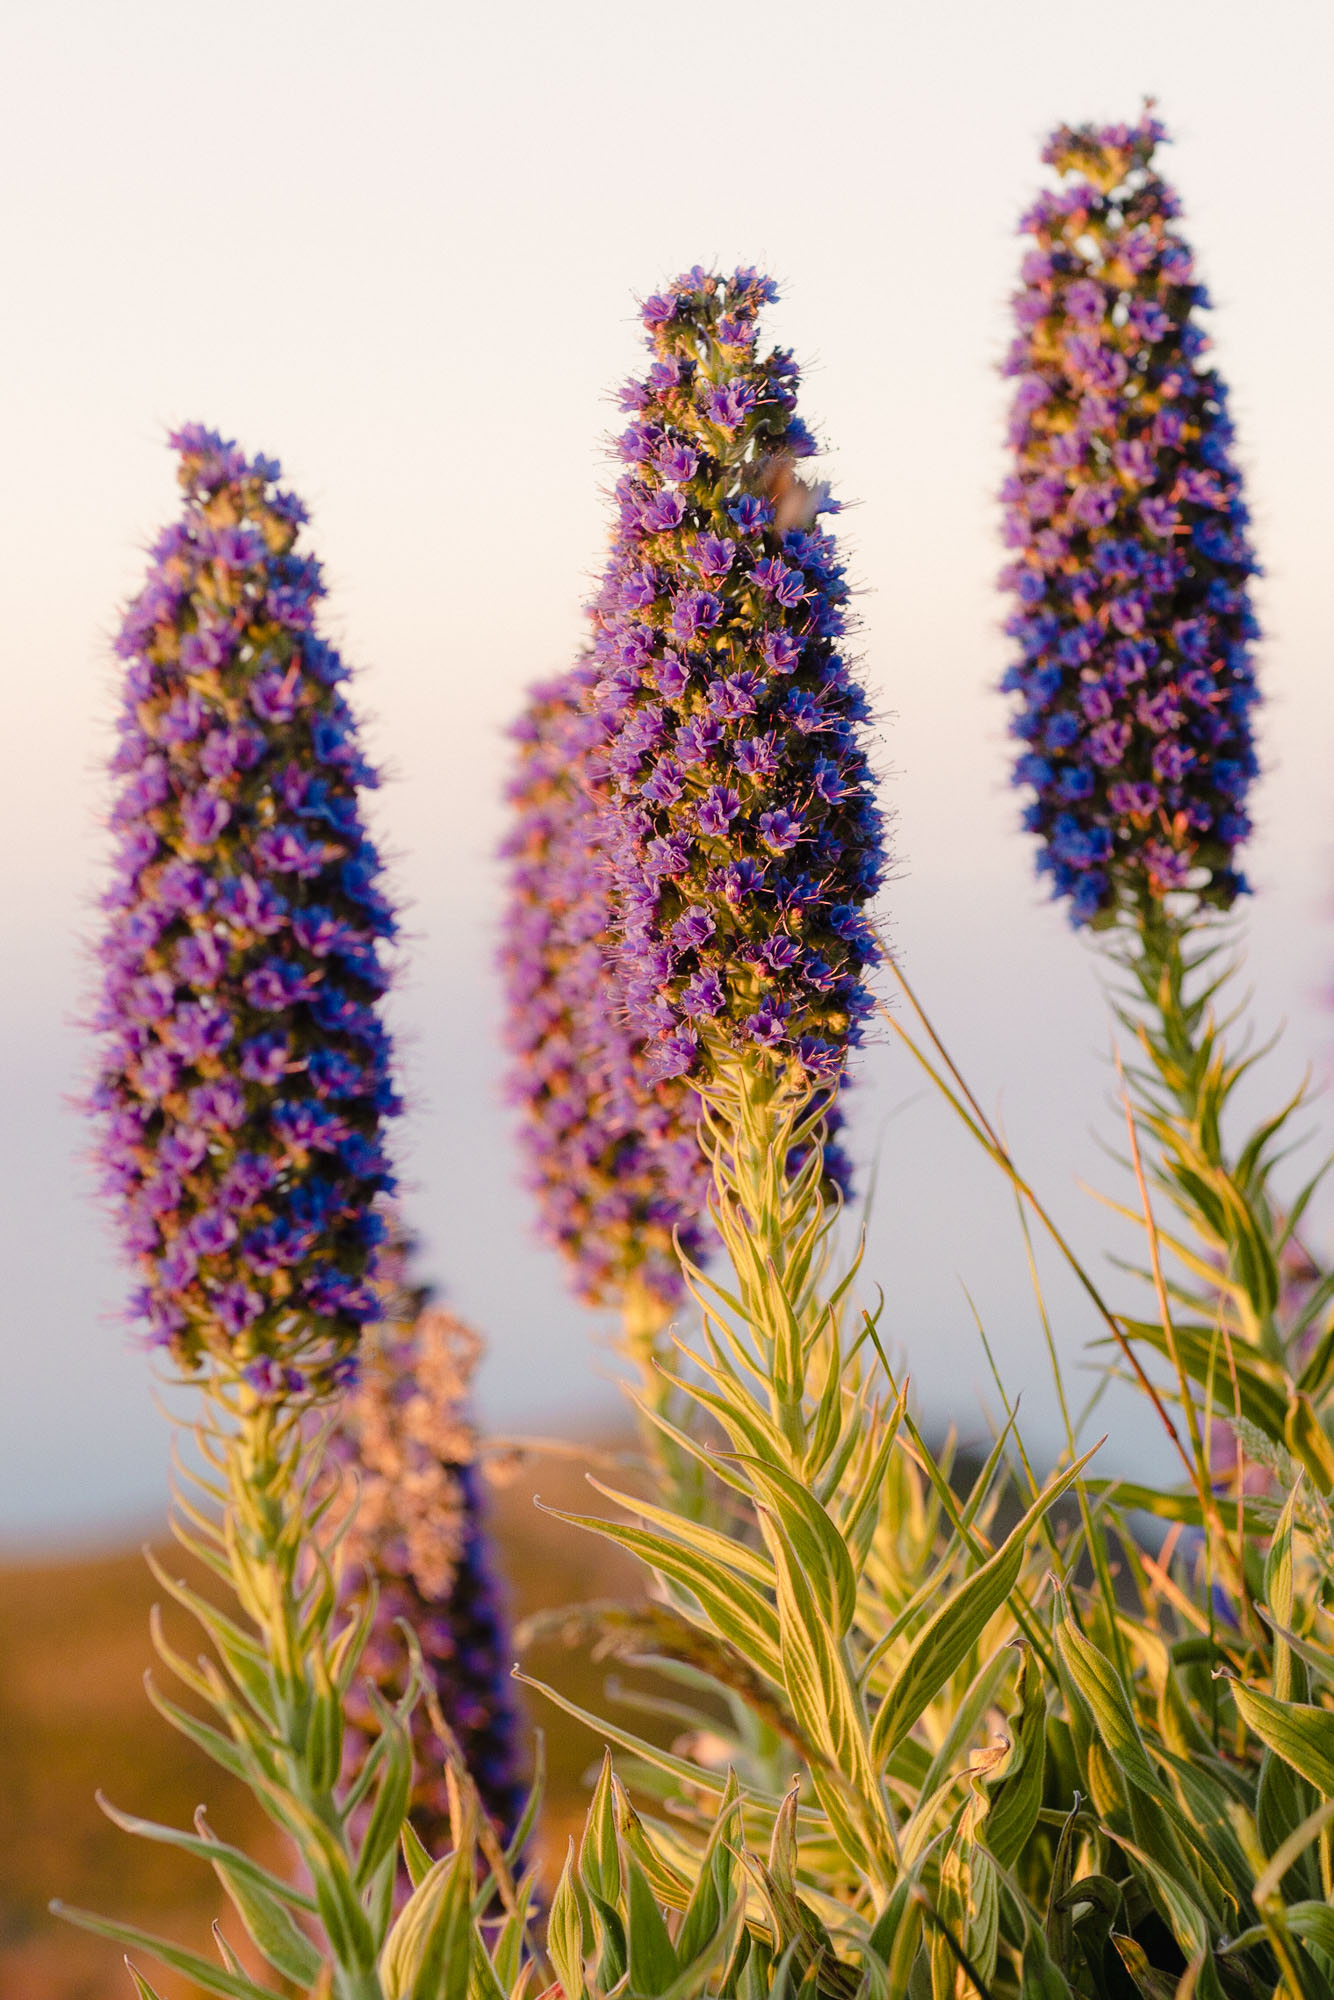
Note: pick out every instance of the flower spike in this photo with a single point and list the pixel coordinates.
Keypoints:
(746, 839)
(612, 1154)
(245, 1077)
(1133, 618)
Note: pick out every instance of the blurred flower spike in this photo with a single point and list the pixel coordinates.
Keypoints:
(745, 838)
(612, 1154)
(1132, 616)
(407, 1444)
(245, 1077)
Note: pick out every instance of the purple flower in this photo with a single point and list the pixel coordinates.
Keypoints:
(695, 611)
(277, 984)
(717, 809)
(275, 696)
(203, 818)
(252, 905)
(201, 1030)
(662, 512)
(730, 403)
(1138, 574)
(703, 996)
(211, 975)
(780, 830)
(200, 959)
(289, 852)
(237, 1306)
(785, 586)
(714, 555)
(677, 462)
(757, 752)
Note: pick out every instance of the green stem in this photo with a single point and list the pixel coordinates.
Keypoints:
(282, 1583)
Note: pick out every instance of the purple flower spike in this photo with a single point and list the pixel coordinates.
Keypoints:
(612, 1154)
(1132, 619)
(406, 1440)
(246, 889)
(741, 804)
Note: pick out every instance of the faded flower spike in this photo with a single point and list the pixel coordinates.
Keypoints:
(1132, 619)
(407, 1443)
(612, 1154)
(245, 1074)
(746, 839)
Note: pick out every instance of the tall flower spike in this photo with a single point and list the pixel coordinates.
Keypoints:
(405, 1435)
(1133, 619)
(747, 839)
(245, 1074)
(612, 1155)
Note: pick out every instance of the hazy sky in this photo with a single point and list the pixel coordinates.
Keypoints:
(398, 246)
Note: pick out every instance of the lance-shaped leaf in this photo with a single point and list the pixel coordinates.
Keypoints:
(600, 1873)
(653, 1965)
(946, 1640)
(426, 1954)
(1301, 1734)
(813, 1539)
(213, 1978)
(1015, 1793)
(142, 1988)
(571, 1917)
(734, 1607)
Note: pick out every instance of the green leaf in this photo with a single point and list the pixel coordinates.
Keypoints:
(816, 1674)
(668, 1884)
(1015, 1794)
(946, 1640)
(1152, 1985)
(207, 1847)
(600, 1872)
(213, 1978)
(814, 1540)
(426, 1954)
(1269, 1882)
(1313, 1923)
(211, 1741)
(1301, 1734)
(724, 1550)
(1181, 1506)
(599, 1851)
(385, 1826)
(1260, 1387)
(532, 1804)
(141, 1985)
(569, 1915)
(324, 1737)
(714, 1892)
(416, 1859)
(733, 1607)
(653, 1965)
(287, 1948)
(1306, 1439)
(693, 1775)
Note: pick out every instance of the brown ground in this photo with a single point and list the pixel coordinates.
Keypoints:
(74, 1718)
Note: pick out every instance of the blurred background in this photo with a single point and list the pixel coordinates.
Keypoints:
(399, 247)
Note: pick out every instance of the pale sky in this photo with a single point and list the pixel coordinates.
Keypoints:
(398, 246)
